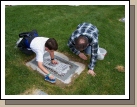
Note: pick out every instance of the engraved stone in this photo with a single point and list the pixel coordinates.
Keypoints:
(63, 71)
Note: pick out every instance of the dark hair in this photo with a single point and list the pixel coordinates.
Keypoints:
(81, 42)
(51, 44)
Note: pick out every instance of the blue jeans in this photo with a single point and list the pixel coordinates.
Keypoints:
(88, 50)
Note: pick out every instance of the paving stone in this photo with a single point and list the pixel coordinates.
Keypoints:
(39, 92)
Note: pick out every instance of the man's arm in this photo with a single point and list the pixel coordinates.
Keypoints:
(93, 58)
(40, 65)
(39, 59)
(51, 52)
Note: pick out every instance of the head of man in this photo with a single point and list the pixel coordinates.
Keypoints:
(81, 43)
(51, 44)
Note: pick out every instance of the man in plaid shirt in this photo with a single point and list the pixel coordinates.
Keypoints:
(85, 38)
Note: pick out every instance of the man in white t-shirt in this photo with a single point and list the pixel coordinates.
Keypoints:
(39, 45)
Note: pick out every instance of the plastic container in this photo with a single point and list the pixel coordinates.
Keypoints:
(122, 19)
(101, 53)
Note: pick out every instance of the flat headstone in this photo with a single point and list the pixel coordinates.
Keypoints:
(64, 71)
(33, 91)
(39, 92)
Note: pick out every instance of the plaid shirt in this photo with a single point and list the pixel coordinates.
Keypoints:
(91, 32)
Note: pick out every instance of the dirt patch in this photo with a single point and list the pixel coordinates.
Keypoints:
(30, 58)
(120, 68)
(63, 85)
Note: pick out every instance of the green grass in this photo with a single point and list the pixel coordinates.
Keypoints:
(59, 22)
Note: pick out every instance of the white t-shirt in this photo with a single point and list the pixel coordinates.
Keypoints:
(38, 46)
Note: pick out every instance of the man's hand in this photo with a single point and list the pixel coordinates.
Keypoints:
(54, 62)
(91, 72)
(83, 56)
(51, 76)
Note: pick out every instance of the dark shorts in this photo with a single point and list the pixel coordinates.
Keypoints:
(24, 44)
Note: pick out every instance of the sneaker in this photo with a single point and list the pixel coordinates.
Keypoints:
(18, 41)
(49, 80)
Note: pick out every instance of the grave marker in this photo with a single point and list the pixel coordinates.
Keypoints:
(63, 71)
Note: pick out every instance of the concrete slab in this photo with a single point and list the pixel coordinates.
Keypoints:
(34, 92)
(65, 72)
(39, 92)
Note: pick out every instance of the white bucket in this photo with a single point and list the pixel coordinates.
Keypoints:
(101, 53)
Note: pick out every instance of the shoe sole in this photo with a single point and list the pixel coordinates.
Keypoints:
(50, 81)
(19, 41)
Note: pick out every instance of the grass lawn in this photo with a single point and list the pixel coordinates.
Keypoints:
(59, 22)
